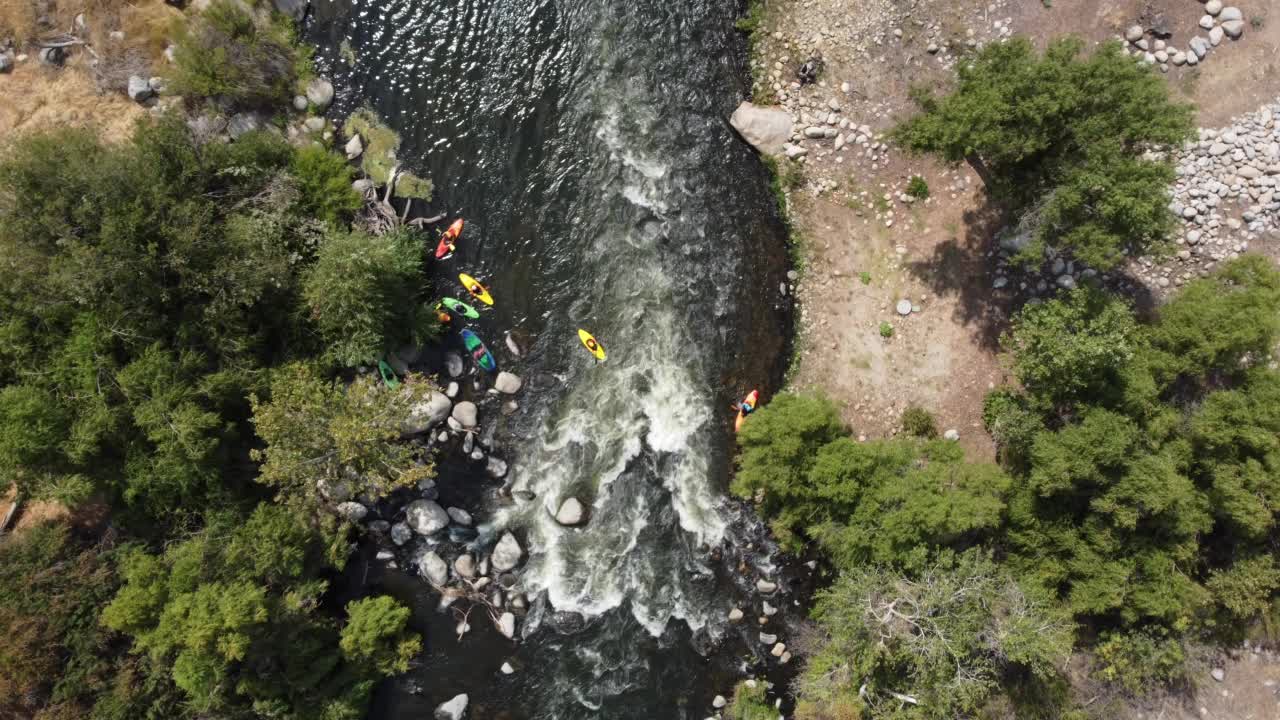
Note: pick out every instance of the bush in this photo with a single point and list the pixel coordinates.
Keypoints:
(886, 330)
(1142, 660)
(750, 702)
(324, 181)
(365, 294)
(1062, 140)
(227, 53)
(918, 188)
(918, 422)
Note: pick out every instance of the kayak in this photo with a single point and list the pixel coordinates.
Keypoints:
(388, 375)
(592, 344)
(477, 290)
(750, 400)
(447, 239)
(478, 351)
(460, 307)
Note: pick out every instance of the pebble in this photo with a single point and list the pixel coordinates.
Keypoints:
(904, 307)
(765, 587)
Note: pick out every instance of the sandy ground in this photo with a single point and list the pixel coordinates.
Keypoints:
(936, 253)
(34, 97)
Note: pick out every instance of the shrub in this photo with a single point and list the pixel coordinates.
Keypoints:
(918, 188)
(918, 422)
(750, 702)
(1141, 660)
(324, 181)
(228, 53)
(886, 330)
(864, 277)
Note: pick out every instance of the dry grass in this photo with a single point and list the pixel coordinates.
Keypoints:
(37, 98)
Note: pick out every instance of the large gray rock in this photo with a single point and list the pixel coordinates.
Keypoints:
(320, 93)
(352, 511)
(1134, 33)
(507, 554)
(139, 89)
(458, 515)
(1233, 28)
(1215, 36)
(570, 512)
(426, 517)
(508, 383)
(1230, 13)
(1199, 46)
(433, 568)
(455, 709)
(426, 415)
(765, 129)
(466, 414)
(400, 533)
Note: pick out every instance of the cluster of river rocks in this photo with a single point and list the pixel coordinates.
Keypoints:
(1218, 21)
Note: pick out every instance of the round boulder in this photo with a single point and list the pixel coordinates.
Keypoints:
(570, 512)
(507, 383)
(426, 517)
(433, 568)
(507, 554)
(352, 511)
(466, 414)
(454, 709)
(320, 93)
(425, 415)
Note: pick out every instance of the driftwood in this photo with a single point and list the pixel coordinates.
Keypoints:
(13, 510)
(380, 217)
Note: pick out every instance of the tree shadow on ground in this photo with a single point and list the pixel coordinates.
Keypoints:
(963, 267)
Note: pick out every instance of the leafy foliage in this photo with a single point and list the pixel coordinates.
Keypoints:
(364, 294)
(233, 612)
(229, 52)
(324, 181)
(944, 638)
(324, 438)
(918, 422)
(750, 702)
(1063, 137)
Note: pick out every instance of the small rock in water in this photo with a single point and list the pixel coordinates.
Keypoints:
(320, 93)
(496, 468)
(570, 512)
(719, 702)
(507, 625)
(453, 364)
(454, 709)
(735, 615)
(904, 307)
(433, 568)
(466, 414)
(384, 555)
(512, 346)
(765, 587)
(426, 517)
(468, 444)
(458, 515)
(507, 383)
(465, 566)
(769, 610)
(507, 669)
(768, 639)
(477, 455)
(778, 649)
(400, 533)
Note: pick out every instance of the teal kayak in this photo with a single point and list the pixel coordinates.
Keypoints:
(388, 375)
(478, 351)
(460, 307)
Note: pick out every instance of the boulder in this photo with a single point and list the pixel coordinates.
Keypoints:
(735, 615)
(242, 123)
(432, 567)
(765, 129)
(465, 413)
(496, 467)
(1199, 46)
(507, 625)
(455, 709)
(1230, 13)
(718, 702)
(426, 517)
(427, 414)
(1215, 36)
(354, 147)
(570, 512)
(453, 364)
(139, 89)
(1213, 7)
(1233, 28)
(507, 554)
(458, 515)
(300, 103)
(352, 511)
(765, 587)
(507, 383)
(1134, 33)
(400, 533)
(320, 93)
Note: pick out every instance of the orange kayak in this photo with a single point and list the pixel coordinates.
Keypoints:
(446, 240)
(750, 401)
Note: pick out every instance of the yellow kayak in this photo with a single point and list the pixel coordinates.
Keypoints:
(592, 345)
(477, 290)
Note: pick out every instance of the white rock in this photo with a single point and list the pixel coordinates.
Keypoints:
(1218, 674)
(496, 467)
(765, 587)
(426, 517)
(1213, 7)
(570, 512)
(1206, 21)
(778, 649)
(952, 434)
(465, 566)
(432, 567)
(1134, 33)
(904, 307)
(1230, 12)
(454, 709)
(507, 669)
(425, 415)
(352, 511)
(465, 413)
(139, 89)
(507, 383)
(1215, 36)
(768, 638)
(735, 615)
(1233, 28)
(507, 625)
(354, 147)
(507, 554)
(458, 515)
(320, 93)
(765, 129)
(400, 533)
(718, 702)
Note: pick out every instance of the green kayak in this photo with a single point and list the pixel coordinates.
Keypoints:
(460, 307)
(388, 375)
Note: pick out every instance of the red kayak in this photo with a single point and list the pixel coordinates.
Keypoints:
(446, 248)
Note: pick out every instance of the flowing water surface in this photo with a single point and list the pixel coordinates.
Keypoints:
(586, 143)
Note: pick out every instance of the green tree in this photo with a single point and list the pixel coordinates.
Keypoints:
(324, 181)
(229, 52)
(375, 635)
(935, 644)
(1064, 135)
(364, 294)
(323, 438)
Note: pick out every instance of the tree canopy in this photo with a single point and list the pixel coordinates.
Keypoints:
(1063, 141)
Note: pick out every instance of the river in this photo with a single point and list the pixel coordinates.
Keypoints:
(586, 143)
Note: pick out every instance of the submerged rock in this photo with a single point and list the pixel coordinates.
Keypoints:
(400, 533)
(433, 568)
